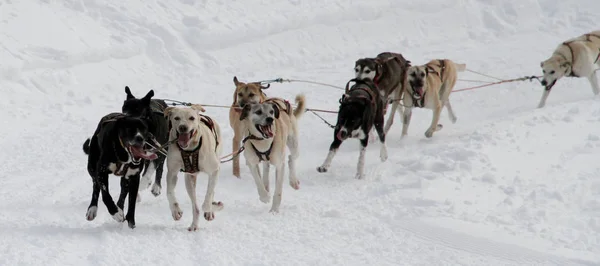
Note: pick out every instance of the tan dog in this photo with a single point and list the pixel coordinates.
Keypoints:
(245, 93)
(269, 127)
(429, 86)
(196, 149)
(576, 57)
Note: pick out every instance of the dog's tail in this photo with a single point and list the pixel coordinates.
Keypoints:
(301, 106)
(86, 146)
(460, 67)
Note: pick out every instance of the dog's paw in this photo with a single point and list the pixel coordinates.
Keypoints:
(217, 206)
(274, 210)
(209, 216)
(118, 216)
(131, 223)
(321, 169)
(265, 198)
(383, 154)
(193, 228)
(295, 184)
(360, 176)
(454, 119)
(155, 190)
(176, 212)
(429, 133)
(91, 213)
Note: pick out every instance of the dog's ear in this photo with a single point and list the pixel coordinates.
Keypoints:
(168, 110)
(235, 81)
(276, 110)
(198, 107)
(128, 92)
(148, 96)
(245, 111)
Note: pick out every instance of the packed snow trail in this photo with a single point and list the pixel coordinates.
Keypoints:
(507, 184)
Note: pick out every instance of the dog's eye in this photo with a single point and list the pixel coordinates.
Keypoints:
(271, 112)
(176, 118)
(355, 70)
(544, 71)
(251, 95)
(413, 74)
(192, 118)
(259, 112)
(240, 94)
(367, 71)
(552, 72)
(422, 75)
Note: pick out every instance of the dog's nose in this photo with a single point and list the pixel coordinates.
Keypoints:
(269, 120)
(544, 83)
(138, 139)
(183, 128)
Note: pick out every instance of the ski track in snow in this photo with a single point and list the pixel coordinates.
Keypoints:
(507, 184)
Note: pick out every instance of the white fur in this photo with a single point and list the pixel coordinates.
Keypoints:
(364, 73)
(147, 179)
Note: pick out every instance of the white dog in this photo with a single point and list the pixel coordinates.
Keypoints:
(576, 57)
(197, 149)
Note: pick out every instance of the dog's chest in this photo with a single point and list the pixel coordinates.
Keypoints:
(123, 169)
(357, 133)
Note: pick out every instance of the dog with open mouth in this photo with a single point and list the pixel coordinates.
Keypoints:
(195, 148)
(117, 147)
(245, 93)
(270, 126)
(576, 57)
(361, 110)
(429, 86)
(152, 112)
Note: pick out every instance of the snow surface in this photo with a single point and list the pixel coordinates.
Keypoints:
(507, 184)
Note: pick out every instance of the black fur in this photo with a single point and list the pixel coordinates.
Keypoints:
(105, 148)
(359, 109)
(390, 70)
(151, 111)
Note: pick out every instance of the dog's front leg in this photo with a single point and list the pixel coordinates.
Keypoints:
(176, 211)
(406, 120)
(236, 159)
(210, 206)
(335, 145)
(450, 112)
(157, 179)
(116, 212)
(434, 121)
(383, 155)
(93, 208)
(544, 96)
(594, 83)
(134, 184)
(279, 173)
(190, 186)
(265, 174)
(124, 192)
(292, 143)
(390, 119)
(260, 187)
(360, 167)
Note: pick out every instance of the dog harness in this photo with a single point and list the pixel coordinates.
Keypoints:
(190, 158)
(287, 107)
(587, 39)
(372, 98)
(263, 156)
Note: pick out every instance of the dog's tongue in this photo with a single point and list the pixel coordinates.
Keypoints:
(267, 131)
(184, 139)
(419, 91)
(140, 153)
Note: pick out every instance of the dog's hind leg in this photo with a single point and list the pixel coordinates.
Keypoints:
(134, 184)
(360, 167)
(190, 186)
(93, 208)
(335, 145)
(115, 211)
(292, 143)
(381, 133)
(265, 174)
(124, 192)
(209, 206)
(236, 159)
(262, 191)
(434, 121)
(279, 173)
(594, 82)
(450, 112)
(148, 171)
(390, 119)
(159, 172)
(406, 120)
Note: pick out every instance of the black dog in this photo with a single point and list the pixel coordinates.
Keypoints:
(152, 112)
(117, 147)
(361, 108)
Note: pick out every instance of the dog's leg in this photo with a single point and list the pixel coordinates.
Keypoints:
(450, 112)
(434, 122)
(93, 208)
(360, 173)
(332, 150)
(279, 173)
(115, 211)
(190, 186)
(390, 119)
(406, 120)
(265, 174)
(262, 191)
(236, 159)
(210, 206)
(544, 97)
(383, 155)
(176, 211)
(159, 172)
(292, 143)
(594, 83)
(134, 185)
(124, 192)
(146, 182)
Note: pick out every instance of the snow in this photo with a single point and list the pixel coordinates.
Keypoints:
(507, 184)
